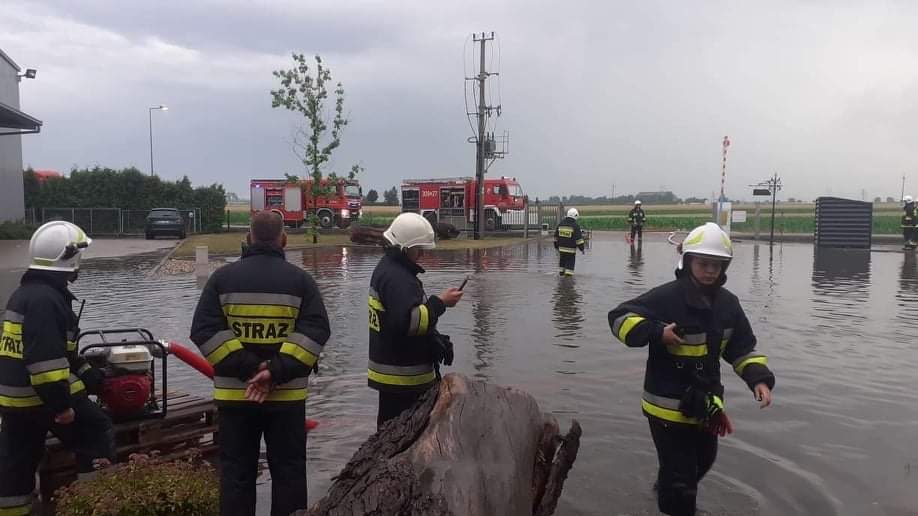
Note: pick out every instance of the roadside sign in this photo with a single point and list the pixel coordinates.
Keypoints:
(761, 191)
(739, 216)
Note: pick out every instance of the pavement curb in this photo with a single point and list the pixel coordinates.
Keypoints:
(165, 259)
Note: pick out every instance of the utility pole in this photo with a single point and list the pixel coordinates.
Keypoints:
(485, 146)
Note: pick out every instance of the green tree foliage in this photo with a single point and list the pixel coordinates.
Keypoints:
(306, 92)
(127, 189)
(372, 196)
(391, 196)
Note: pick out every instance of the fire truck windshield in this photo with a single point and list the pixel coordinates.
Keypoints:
(515, 190)
(352, 190)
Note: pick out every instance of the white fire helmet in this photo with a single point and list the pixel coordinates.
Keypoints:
(573, 213)
(57, 246)
(907, 199)
(707, 240)
(410, 230)
(637, 202)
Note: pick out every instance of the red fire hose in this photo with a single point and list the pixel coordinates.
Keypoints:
(203, 366)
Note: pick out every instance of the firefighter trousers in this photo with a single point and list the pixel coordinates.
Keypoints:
(637, 230)
(22, 446)
(240, 433)
(566, 263)
(392, 404)
(685, 455)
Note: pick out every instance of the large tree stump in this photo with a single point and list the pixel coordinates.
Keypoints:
(467, 448)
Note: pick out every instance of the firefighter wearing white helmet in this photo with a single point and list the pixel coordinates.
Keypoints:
(909, 222)
(688, 325)
(568, 238)
(405, 347)
(636, 218)
(43, 381)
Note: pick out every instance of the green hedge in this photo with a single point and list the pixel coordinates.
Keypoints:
(127, 189)
(181, 488)
(15, 231)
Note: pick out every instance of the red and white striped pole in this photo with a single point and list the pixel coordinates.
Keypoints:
(723, 169)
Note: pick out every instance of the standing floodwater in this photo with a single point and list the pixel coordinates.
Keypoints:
(838, 327)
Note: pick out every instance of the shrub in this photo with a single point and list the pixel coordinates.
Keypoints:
(182, 488)
(15, 231)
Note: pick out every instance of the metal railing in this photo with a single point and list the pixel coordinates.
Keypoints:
(109, 221)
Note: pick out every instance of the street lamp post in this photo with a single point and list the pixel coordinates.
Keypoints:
(160, 108)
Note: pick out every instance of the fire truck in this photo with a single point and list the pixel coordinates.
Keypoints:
(295, 201)
(452, 200)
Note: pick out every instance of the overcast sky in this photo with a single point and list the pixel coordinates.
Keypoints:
(637, 94)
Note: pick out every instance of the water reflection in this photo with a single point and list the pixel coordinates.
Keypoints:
(907, 296)
(636, 260)
(841, 289)
(566, 313)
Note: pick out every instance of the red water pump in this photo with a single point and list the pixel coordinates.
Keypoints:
(128, 385)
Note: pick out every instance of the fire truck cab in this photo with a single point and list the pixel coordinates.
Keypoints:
(452, 200)
(294, 200)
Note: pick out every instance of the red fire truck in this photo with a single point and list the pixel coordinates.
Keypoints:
(296, 202)
(452, 200)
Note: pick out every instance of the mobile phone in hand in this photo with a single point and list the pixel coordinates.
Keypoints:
(466, 280)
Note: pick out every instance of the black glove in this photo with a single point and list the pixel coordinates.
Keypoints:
(441, 349)
(93, 379)
(701, 405)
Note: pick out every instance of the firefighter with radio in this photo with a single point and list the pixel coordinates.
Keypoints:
(262, 324)
(40, 389)
(568, 238)
(690, 324)
(405, 346)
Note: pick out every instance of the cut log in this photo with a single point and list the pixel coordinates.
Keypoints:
(466, 448)
(373, 235)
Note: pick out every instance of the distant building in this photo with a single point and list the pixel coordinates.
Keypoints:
(13, 124)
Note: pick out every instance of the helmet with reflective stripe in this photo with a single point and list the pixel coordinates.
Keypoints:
(707, 240)
(573, 213)
(57, 246)
(410, 230)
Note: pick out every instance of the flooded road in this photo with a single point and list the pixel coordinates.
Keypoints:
(839, 328)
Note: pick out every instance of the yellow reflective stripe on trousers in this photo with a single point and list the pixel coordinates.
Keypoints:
(50, 376)
(13, 402)
(223, 350)
(665, 409)
(233, 389)
(739, 365)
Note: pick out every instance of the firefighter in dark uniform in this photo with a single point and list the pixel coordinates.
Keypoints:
(636, 218)
(688, 325)
(41, 390)
(405, 347)
(568, 238)
(909, 220)
(262, 324)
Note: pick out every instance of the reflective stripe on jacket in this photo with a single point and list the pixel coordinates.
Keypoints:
(34, 366)
(568, 237)
(710, 332)
(401, 320)
(260, 309)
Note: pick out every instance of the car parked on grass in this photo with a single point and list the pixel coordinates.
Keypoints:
(164, 221)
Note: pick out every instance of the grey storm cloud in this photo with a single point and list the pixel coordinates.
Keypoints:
(635, 94)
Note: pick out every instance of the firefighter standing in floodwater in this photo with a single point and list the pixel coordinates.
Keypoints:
(43, 384)
(405, 347)
(688, 325)
(262, 324)
(568, 238)
(636, 218)
(909, 221)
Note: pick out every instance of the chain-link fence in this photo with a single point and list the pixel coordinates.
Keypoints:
(109, 221)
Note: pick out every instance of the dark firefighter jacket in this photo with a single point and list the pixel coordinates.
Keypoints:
(260, 309)
(711, 332)
(35, 344)
(637, 216)
(568, 237)
(402, 321)
(909, 218)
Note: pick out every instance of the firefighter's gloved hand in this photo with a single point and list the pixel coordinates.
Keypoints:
(720, 425)
(93, 379)
(442, 349)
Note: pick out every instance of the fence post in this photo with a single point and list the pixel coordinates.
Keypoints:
(539, 216)
(526, 220)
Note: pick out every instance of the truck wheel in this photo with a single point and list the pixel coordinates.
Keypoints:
(326, 219)
(490, 220)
